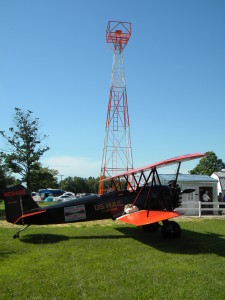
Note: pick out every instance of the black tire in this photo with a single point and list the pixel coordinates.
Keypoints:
(150, 227)
(171, 230)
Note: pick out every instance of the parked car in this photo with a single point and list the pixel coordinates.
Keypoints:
(44, 193)
(63, 198)
(70, 194)
(80, 195)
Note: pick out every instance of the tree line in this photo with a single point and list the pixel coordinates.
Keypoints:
(20, 159)
(23, 149)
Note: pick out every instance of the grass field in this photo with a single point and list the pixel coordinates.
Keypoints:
(109, 260)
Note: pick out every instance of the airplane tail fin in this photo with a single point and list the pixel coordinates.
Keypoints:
(17, 202)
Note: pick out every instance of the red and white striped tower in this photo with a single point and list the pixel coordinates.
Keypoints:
(117, 152)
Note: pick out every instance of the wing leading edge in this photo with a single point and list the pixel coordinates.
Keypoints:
(159, 164)
(144, 217)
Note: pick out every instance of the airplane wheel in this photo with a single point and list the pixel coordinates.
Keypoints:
(150, 227)
(171, 229)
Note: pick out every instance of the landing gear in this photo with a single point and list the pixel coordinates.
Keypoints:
(150, 227)
(17, 235)
(170, 229)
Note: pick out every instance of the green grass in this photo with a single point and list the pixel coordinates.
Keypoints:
(109, 260)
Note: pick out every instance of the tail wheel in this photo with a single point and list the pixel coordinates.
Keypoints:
(171, 229)
(150, 227)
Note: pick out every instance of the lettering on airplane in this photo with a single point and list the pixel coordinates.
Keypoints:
(75, 213)
(108, 206)
(15, 193)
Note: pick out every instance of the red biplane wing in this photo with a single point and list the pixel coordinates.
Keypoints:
(163, 163)
(144, 217)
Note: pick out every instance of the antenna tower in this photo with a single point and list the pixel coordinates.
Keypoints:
(117, 152)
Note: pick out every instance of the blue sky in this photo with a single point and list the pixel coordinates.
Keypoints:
(54, 61)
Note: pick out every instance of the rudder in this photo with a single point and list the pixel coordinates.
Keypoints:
(17, 202)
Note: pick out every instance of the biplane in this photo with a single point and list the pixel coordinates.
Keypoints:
(136, 197)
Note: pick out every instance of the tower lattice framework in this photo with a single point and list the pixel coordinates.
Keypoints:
(117, 151)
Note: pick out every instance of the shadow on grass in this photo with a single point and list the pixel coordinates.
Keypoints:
(44, 238)
(56, 238)
(190, 243)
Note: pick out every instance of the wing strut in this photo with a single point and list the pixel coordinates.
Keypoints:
(152, 173)
(178, 169)
(149, 190)
(128, 183)
(146, 181)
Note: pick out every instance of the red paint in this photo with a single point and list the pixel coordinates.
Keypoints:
(30, 214)
(143, 217)
(15, 193)
(169, 161)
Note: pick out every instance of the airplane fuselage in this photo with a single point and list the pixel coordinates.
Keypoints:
(94, 207)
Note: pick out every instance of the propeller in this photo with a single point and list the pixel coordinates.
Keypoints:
(176, 193)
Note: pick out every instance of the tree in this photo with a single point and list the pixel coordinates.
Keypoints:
(23, 145)
(208, 164)
(5, 178)
(75, 185)
(81, 185)
(68, 184)
(93, 184)
(43, 178)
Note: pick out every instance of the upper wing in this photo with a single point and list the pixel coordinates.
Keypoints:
(144, 217)
(159, 164)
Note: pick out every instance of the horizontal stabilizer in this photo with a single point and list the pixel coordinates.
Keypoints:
(30, 214)
(144, 217)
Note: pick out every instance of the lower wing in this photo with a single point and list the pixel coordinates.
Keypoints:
(144, 217)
